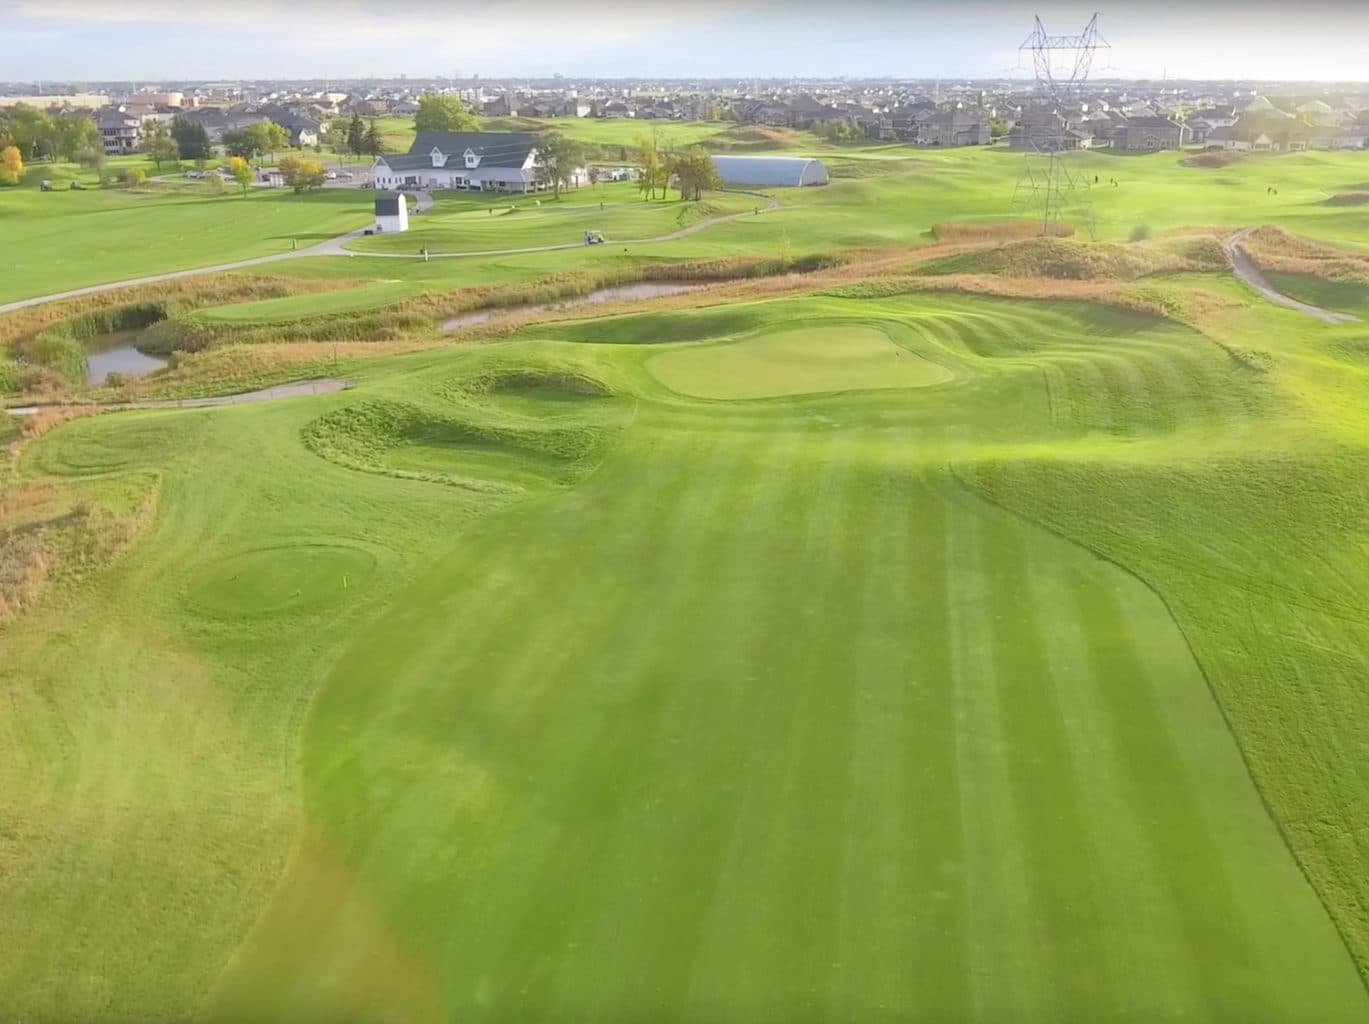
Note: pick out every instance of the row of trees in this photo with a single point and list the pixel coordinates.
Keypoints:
(38, 135)
(256, 140)
(659, 163)
(356, 136)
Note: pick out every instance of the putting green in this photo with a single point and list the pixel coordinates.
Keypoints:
(276, 580)
(796, 361)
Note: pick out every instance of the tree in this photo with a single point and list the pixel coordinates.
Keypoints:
(214, 182)
(159, 145)
(267, 137)
(72, 133)
(593, 174)
(356, 135)
(135, 176)
(335, 137)
(30, 130)
(93, 159)
(11, 165)
(443, 113)
(241, 172)
(375, 142)
(239, 144)
(557, 159)
(695, 172)
(301, 173)
(998, 128)
(192, 141)
(648, 166)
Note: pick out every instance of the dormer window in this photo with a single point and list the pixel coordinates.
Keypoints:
(439, 157)
(471, 159)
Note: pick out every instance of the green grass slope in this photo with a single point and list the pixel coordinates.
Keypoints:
(60, 240)
(515, 685)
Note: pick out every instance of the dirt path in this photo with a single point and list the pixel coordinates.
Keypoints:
(297, 389)
(337, 247)
(1250, 274)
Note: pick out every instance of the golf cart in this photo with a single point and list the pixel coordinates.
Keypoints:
(45, 185)
(594, 238)
(76, 186)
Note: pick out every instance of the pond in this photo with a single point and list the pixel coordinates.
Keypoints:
(640, 290)
(117, 352)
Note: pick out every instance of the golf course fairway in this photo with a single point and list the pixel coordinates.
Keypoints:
(709, 666)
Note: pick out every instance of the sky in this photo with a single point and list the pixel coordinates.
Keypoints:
(151, 40)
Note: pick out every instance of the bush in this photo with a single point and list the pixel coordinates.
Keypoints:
(1140, 232)
(11, 376)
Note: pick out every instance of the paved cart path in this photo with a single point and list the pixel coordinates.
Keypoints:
(337, 247)
(296, 389)
(1247, 271)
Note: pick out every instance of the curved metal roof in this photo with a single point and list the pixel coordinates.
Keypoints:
(770, 170)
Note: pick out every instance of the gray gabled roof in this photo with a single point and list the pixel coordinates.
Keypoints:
(495, 149)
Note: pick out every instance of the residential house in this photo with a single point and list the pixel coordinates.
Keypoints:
(477, 161)
(955, 128)
(1153, 133)
(1201, 122)
(303, 129)
(120, 132)
(1265, 131)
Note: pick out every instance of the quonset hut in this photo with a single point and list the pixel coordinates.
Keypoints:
(775, 171)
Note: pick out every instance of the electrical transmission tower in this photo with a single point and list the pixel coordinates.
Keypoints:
(1051, 186)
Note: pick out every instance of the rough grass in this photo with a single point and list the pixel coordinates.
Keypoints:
(1276, 250)
(1070, 260)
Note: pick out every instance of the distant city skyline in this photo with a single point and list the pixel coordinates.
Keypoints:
(152, 40)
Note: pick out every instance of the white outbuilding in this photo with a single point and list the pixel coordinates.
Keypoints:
(392, 212)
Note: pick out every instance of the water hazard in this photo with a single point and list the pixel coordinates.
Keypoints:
(640, 290)
(117, 352)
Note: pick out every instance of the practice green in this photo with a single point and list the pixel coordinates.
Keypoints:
(845, 357)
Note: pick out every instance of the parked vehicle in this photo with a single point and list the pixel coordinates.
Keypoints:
(78, 186)
(45, 185)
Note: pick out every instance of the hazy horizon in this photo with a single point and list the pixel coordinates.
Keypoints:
(153, 40)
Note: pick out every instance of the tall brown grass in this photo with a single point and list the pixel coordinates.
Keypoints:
(1274, 249)
(996, 231)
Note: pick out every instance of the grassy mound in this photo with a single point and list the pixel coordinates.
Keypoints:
(275, 581)
(1211, 159)
(755, 138)
(1070, 260)
(541, 385)
(401, 439)
(1276, 250)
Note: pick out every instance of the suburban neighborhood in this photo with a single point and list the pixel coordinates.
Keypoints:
(1135, 116)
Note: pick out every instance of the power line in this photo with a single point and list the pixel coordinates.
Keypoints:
(1050, 186)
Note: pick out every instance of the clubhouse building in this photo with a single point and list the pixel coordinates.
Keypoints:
(476, 161)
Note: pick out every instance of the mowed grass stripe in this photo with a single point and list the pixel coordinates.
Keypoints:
(1008, 978)
(902, 826)
(568, 890)
(671, 851)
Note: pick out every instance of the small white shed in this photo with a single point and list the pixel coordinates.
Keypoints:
(392, 212)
